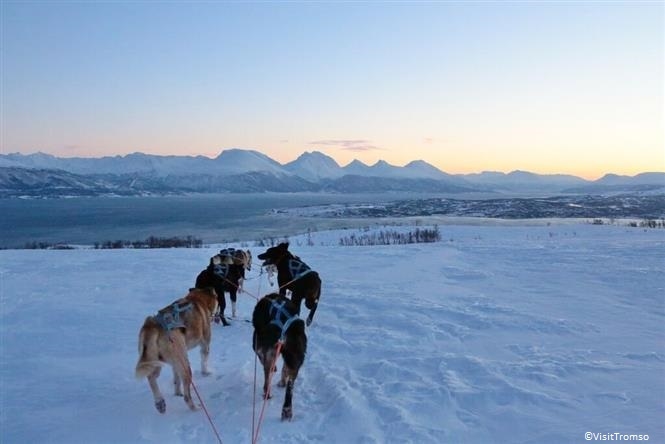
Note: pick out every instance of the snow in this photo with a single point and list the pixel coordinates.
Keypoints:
(507, 334)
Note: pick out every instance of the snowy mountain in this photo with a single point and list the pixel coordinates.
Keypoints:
(237, 161)
(315, 166)
(129, 164)
(357, 168)
(422, 169)
(643, 183)
(24, 182)
(238, 170)
(516, 180)
(650, 178)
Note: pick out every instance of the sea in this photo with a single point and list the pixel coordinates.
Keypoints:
(212, 218)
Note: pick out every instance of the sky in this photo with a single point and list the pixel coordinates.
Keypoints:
(557, 335)
(549, 87)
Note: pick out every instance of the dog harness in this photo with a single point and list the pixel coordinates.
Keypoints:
(298, 268)
(227, 252)
(221, 270)
(170, 319)
(281, 317)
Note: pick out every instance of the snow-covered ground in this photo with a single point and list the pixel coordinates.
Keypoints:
(506, 334)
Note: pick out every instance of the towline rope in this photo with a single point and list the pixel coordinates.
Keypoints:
(255, 434)
(203, 406)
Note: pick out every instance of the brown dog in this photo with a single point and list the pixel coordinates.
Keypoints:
(166, 337)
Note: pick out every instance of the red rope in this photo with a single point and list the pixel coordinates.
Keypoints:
(183, 363)
(255, 438)
(254, 390)
(254, 399)
(203, 406)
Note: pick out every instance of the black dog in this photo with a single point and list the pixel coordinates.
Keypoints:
(293, 274)
(215, 276)
(275, 319)
(235, 273)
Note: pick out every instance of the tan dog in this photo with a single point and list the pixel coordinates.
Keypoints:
(244, 258)
(166, 337)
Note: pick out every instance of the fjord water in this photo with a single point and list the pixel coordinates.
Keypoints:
(210, 217)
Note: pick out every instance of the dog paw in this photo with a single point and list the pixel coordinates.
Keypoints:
(160, 406)
(287, 414)
(206, 372)
(308, 321)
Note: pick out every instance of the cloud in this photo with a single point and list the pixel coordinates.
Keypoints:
(349, 145)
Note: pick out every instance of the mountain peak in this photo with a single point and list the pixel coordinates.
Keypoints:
(420, 168)
(236, 161)
(356, 162)
(415, 163)
(314, 166)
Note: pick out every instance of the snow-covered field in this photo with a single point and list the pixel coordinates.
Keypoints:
(506, 334)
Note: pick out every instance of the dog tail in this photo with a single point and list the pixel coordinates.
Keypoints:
(143, 369)
(148, 351)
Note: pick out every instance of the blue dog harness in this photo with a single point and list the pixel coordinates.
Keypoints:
(298, 268)
(170, 319)
(281, 317)
(221, 270)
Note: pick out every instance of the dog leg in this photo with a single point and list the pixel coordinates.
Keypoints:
(160, 404)
(185, 373)
(296, 298)
(177, 383)
(284, 377)
(269, 363)
(266, 379)
(205, 352)
(287, 408)
(310, 317)
(188, 394)
(233, 310)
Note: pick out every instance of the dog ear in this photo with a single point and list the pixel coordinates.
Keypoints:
(284, 245)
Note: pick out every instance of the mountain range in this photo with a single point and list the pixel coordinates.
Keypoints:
(238, 170)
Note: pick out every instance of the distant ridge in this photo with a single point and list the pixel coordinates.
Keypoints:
(242, 170)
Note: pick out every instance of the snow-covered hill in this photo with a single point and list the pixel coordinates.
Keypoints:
(508, 334)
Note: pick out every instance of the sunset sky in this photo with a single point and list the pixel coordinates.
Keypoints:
(549, 87)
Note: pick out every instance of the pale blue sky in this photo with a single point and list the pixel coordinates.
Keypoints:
(570, 87)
